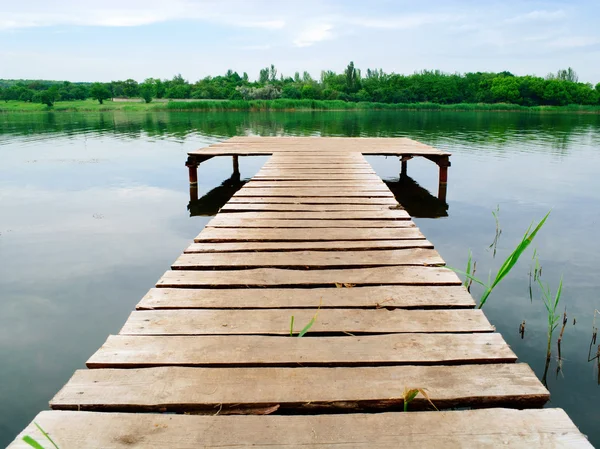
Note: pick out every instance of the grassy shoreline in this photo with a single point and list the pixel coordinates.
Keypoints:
(280, 105)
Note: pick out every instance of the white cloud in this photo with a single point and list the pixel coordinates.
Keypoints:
(313, 34)
(574, 42)
(538, 16)
(403, 22)
(112, 13)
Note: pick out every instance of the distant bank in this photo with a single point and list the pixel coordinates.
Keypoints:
(132, 105)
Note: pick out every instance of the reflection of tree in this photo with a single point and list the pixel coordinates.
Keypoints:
(447, 129)
(216, 198)
(417, 201)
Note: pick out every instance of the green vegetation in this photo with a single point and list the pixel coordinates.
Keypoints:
(350, 89)
(275, 105)
(34, 443)
(306, 328)
(508, 264)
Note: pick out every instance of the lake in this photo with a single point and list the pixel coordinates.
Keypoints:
(94, 208)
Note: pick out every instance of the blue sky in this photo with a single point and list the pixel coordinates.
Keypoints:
(79, 40)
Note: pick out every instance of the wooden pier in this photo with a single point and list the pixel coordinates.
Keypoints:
(207, 360)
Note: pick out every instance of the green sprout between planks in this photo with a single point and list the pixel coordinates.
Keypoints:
(33, 443)
(411, 393)
(508, 264)
(306, 328)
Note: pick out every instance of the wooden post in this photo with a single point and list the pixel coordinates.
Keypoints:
(236, 165)
(192, 166)
(403, 164)
(193, 192)
(444, 163)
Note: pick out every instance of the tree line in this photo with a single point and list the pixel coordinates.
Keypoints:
(374, 85)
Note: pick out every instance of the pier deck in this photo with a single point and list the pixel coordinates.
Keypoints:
(315, 235)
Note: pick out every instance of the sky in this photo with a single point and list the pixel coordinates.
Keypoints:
(80, 40)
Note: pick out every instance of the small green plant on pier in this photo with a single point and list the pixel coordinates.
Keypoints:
(411, 393)
(306, 328)
(34, 443)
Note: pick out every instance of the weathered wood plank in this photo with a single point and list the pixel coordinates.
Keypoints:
(378, 214)
(309, 259)
(317, 176)
(316, 192)
(236, 206)
(326, 170)
(274, 277)
(329, 321)
(359, 245)
(229, 234)
(355, 185)
(310, 389)
(228, 221)
(487, 428)
(401, 296)
(381, 201)
(124, 351)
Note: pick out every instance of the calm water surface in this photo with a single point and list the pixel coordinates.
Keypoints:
(94, 208)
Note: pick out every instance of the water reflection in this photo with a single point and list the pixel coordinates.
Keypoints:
(417, 201)
(210, 203)
(80, 243)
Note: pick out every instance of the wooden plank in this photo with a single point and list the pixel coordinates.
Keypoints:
(229, 234)
(124, 351)
(225, 221)
(329, 321)
(309, 259)
(321, 176)
(359, 245)
(378, 214)
(236, 206)
(385, 201)
(359, 185)
(210, 390)
(396, 296)
(274, 277)
(321, 191)
(486, 428)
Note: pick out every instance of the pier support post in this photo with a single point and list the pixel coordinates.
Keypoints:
(236, 168)
(403, 165)
(192, 165)
(444, 163)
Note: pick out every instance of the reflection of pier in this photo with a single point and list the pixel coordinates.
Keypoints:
(417, 200)
(211, 202)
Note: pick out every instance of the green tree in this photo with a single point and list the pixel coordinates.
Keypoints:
(352, 78)
(263, 76)
(131, 88)
(147, 90)
(99, 92)
(49, 96)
